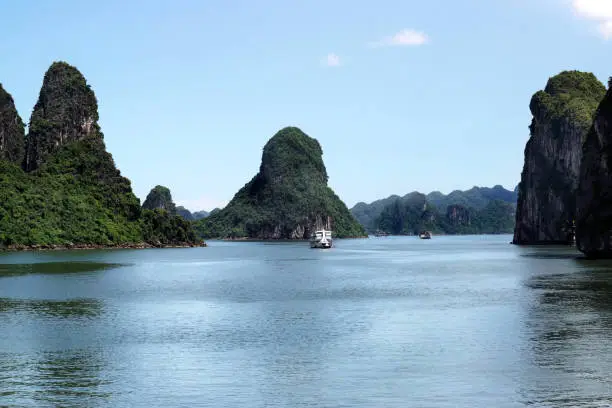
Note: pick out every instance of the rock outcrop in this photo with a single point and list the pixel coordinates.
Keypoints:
(160, 198)
(66, 111)
(594, 198)
(11, 129)
(288, 198)
(72, 194)
(562, 116)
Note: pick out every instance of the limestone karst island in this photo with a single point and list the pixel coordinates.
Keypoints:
(61, 189)
(306, 204)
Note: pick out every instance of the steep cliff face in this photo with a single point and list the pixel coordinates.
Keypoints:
(66, 111)
(562, 114)
(594, 198)
(11, 129)
(288, 198)
(160, 198)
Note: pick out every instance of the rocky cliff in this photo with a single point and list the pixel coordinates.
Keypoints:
(73, 195)
(160, 197)
(11, 129)
(288, 198)
(66, 111)
(562, 115)
(594, 198)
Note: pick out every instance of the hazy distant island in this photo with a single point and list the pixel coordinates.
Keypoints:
(287, 199)
(197, 215)
(479, 210)
(60, 188)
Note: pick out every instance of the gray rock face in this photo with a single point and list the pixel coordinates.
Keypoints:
(66, 111)
(12, 133)
(160, 198)
(562, 115)
(594, 198)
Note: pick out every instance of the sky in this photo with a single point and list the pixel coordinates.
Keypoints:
(403, 95)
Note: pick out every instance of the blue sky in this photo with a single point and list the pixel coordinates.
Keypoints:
(403, 95)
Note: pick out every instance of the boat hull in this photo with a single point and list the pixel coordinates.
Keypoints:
(320, 245)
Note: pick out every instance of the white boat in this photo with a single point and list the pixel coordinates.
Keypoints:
(425, 235)
(321, 239)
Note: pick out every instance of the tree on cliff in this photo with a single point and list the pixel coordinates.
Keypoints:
(288, 198)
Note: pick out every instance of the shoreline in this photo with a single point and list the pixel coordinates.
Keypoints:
(67, 247)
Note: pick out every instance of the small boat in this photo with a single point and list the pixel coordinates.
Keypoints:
(321, 239)
(425, 235)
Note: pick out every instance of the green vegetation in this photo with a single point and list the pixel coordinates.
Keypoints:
(72, 193)
(413, 214)
(473, 211)
(160, 228)
(570, 95)
(287, 199)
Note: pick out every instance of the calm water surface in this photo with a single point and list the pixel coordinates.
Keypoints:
(380, 322)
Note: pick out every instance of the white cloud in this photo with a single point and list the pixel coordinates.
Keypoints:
(406, 37)
(605, 29)
(332, 60)
(599, 11)
(594, 9)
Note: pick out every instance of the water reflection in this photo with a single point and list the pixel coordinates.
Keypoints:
(69, 379)
(49, 268)
(298, 332)
(71, 308)
(569, 329)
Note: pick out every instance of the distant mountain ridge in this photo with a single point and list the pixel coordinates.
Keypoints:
(480, 207)
(198, 215)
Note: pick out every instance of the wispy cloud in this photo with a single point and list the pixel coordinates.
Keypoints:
(599, 11)
(406, 37)
(332, 60)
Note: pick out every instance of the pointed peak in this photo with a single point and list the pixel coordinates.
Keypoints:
(66, 112)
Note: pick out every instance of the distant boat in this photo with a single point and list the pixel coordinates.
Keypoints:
(321, 239)
(380, 234)
(425, 235)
